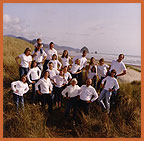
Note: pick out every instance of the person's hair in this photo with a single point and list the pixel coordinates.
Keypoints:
(74, 79)
(65, 67)
(27, 49)
(38, 39)
(78, 60)
(50, 63)
(33, 63)
(63, 54)
(53, 56)
(38, 45)
(113, 71)
(23, 76)
(91, 60)
(101, 60)
(121, 54)
(93, 67)
(44, 73)
(51, 43)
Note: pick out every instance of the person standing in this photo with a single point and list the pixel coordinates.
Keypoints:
(45, 90)
(19, 88)
(88, 95)
(49, 51)
(106, 93)
(26, 60)
(83, 63)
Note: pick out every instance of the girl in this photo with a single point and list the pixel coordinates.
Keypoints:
(102, 71)
(72, 97)
(55, 62)
(111, 82)
(92, 63)
(65, 58)
(59, 81)
(67, 75)
(19, 88)
(45, 90)
(39, 56)
(26, 59)
(75, 70)
(33, 76)
(93, 75)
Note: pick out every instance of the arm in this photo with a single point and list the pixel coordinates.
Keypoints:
(26, 89)
(51, 87)
(28, 76)
(95, 95)
(13, 84)
(39, 72)
(16, 59)
(36, 86)
(123, 73)
(60, 65)
(65, 91)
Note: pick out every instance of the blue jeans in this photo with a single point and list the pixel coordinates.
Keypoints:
(23, 71)
(105, 94)
(18, 99)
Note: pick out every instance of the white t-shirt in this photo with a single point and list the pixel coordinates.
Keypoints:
(102, 70)
(20, 86)
(71, 90)
(110, 83)
(35, 74)
(118, 66)
(39, 57)
(75, 68)
(91, 74)
(52, 72)
(59, 80)
(86, 93)
(55, 64)
(25, 60)
(45, 85)
(83, 61)
(67, 76)
(65, 61)
(50, 53)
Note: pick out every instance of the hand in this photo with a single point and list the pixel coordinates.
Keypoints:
(67, 98)
(35, 54)
(89, 101)
(110, 90)
(16, 91)
(33, 82)
(39, 92)
(50, 91)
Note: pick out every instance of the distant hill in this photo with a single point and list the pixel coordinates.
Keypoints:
(57, 47)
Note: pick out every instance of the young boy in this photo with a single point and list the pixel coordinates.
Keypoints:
(111, 81)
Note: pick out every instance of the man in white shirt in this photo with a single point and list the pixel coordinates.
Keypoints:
(49, 51)
(83, 62)
(87, 95)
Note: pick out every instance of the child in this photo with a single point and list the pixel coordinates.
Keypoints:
(102, 71)
(19, 88)
(92, 74)
(67, 75)
(45, 90)
(75, 70)
(65, 58)
(111, 81)
(59, 82)
(52, 71)
(33, 76)
(55, 62)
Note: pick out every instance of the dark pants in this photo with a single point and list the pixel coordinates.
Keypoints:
(95, 81)
(75, 76)
(18, 99)
(84, 106)
(99, 84)
(47, 98)
(57, 93)
(23, 71)
(45, 67)
(80, 80)
(71, 103)
(33, 96)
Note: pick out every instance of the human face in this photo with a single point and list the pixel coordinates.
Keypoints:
(61, 73)
(101, 63)
(112, 74)
(84, 53)
(34, 64)
(120, 58)
(73, 83)
(51, 46)
(28, 53)
(93, 60)
(65, 52)
(46, 75)
(23, 79)
(50, 66)
(88, 82)
(65, 69)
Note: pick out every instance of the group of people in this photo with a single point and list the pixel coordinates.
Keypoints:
(55, 77)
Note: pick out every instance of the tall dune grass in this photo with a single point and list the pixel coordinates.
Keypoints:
(123, 121)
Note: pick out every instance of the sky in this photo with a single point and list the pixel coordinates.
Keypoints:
(111, 28)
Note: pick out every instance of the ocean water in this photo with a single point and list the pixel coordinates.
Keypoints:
(129, 59)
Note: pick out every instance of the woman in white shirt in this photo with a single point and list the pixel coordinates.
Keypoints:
(111, 82)
(26, 60)
(59, 82)
(65, 59)
(19, 88)
(33, 76)
(45, 90)
(55, 62)
(67, 75)
(72, 92)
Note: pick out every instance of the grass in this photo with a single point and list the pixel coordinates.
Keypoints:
(124, 120)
